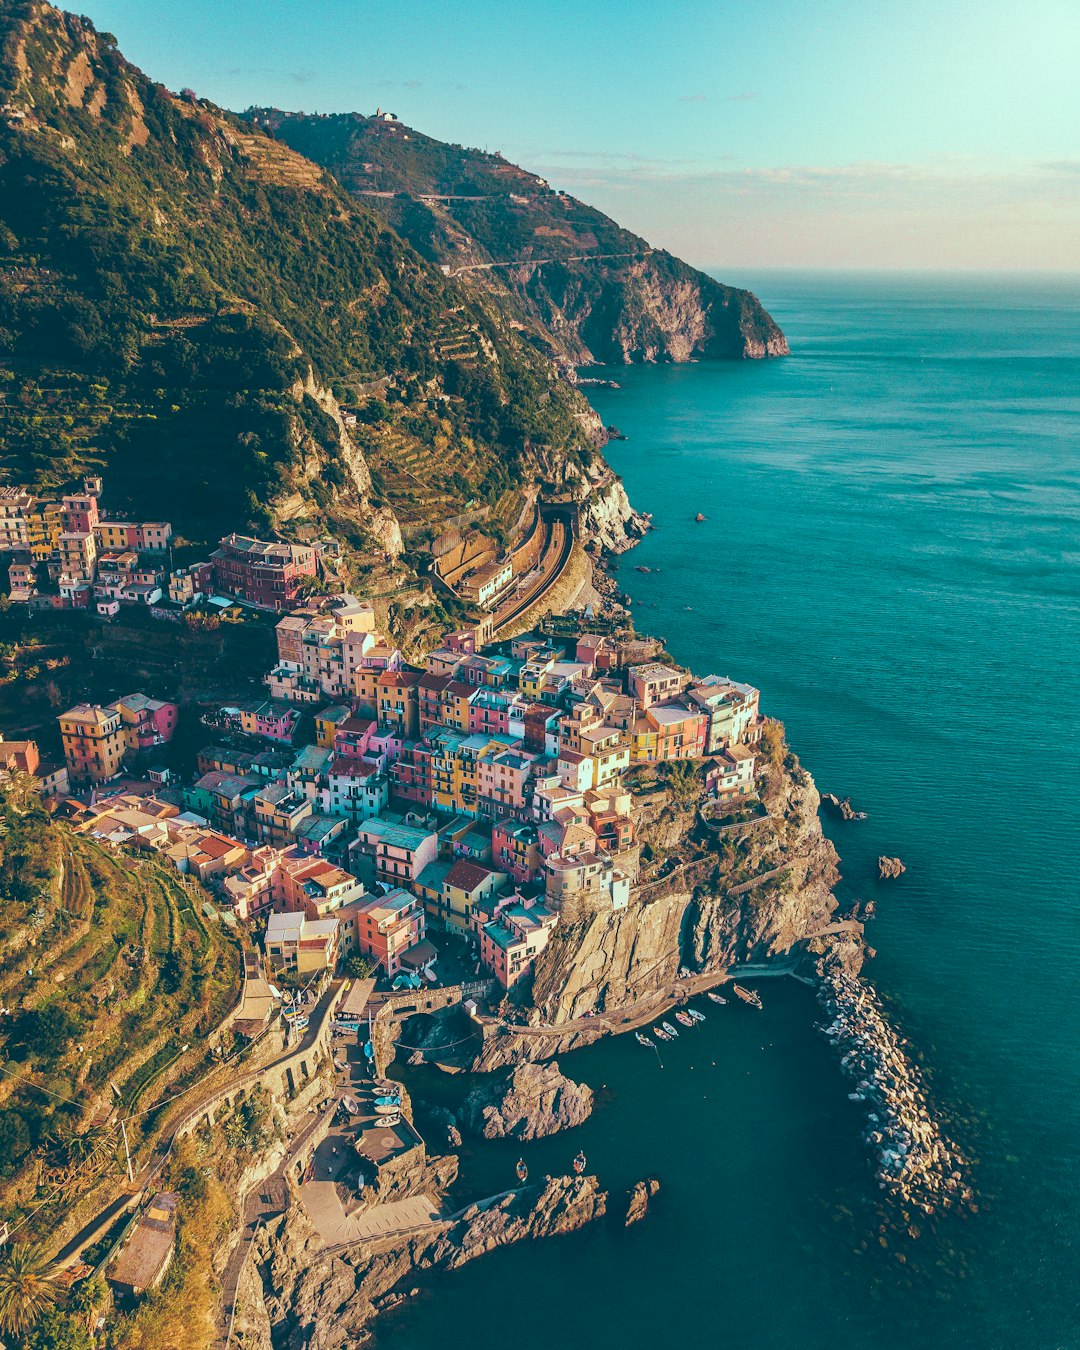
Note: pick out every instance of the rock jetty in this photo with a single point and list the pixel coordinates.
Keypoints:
(890, 868)
(916, 1163)
(534, 1101)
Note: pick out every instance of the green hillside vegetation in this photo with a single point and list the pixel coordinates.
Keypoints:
(604, 294)
(176, 288)
(109, 968)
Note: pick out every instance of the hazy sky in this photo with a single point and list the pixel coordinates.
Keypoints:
(817, 133)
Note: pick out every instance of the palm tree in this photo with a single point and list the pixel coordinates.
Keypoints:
(27, 1287)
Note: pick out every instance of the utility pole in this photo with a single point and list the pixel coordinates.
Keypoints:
(127, 1152)
(123, 1131)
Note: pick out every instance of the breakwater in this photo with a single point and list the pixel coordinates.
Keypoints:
(916, 1163)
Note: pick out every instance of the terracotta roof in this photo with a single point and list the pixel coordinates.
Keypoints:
(467, 876)
(215, 846)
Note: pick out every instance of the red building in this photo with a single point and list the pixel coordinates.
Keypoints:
(267, 575)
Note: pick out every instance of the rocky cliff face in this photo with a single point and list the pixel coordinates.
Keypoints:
(652, 309)
(296, 1295)
(749, 896)
(608, 517)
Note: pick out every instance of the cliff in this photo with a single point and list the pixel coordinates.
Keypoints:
(590, 290)
(744, 897)
(757, 892)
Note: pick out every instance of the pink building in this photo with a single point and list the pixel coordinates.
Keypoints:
(489, 713)
(352, 739)
(502, 784)
(148, 722)
(510, 944)
(515, 849)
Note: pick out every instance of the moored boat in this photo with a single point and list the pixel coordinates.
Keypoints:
(717, 998)
(642, 1039)
(671, 1031)
(579, 1163)
(660, 1034)
(684, 1019)
(750, 996)
(522, 1170)
(697, 1016)
(388, 1108)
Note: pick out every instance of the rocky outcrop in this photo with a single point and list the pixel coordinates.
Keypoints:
(841, 807)
(752, 899)
(637, 1205)
(890, 868)
(608, 517)
(319, 1300)
(533, 1101)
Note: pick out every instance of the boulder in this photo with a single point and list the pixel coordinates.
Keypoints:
(890, 868)
(533, 1101)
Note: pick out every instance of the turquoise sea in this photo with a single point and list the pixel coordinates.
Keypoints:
(892, 553)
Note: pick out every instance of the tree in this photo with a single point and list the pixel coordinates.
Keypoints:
(14, 1139)
(58, 1330)
(28, 1288)
(358, 967)
(46, 1031)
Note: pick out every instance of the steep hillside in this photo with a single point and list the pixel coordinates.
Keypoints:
(189, 302)
(601, 293)
(113, 979)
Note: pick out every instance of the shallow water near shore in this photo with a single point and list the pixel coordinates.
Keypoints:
(892, 553)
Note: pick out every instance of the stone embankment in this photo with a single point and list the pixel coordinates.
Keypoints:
(916, 1163)
(296, 1295)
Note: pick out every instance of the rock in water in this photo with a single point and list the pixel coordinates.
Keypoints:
(534, 1101)
(640, 1196)
(890, 868)
(841, 806)
(699, 517)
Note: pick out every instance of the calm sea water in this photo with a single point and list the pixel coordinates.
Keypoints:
(892, 553)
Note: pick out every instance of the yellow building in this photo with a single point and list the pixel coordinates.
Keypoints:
(94, 742)
(327, 723)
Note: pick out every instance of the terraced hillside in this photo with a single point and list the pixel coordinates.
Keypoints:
(114, 972)
(578, 282)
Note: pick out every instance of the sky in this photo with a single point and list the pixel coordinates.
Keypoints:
(778, 133)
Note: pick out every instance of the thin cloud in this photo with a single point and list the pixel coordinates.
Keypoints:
(693, 98)
(258, 72)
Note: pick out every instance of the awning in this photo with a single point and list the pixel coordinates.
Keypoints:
(419, 956)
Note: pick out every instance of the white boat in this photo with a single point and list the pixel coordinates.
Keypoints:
(388, 1110)
(642, 1039)
(717, 998)
(661, 1034)
(671, 1031)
